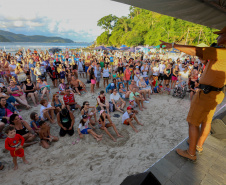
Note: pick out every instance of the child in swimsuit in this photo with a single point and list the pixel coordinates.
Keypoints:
(35, 119)
(45, 135)
(14, 143)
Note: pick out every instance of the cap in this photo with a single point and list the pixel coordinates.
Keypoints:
(221, 31)
(101, 112)
(129, 108)
(84, 116)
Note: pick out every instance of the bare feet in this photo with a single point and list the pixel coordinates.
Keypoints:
(136, 131)
(100, 136)
(140, 124)
(98, 139)
(144, 107)
(26, 162)
(119, 135)
(15, 167)
(114, 139)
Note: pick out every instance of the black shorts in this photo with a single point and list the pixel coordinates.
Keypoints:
(166, 77)
(106, 77)
(64, 132)
(192, 84)
(161, 76)
(79, 88)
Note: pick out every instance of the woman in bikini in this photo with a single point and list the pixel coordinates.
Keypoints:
(18, 94)
(30, 91)
(85, 111)
(24, 129)
(123, 92)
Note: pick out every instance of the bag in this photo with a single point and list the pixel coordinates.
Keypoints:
(111, 107)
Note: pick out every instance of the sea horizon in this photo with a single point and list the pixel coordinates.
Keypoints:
(14, 46)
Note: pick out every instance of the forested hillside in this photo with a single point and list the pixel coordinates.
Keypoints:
(144, 27)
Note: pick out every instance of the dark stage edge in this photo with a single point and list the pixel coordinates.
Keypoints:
(209, 169)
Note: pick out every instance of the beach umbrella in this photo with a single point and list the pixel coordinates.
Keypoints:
(124, 48)
(100, 48)
(132, 50)
(112, 48)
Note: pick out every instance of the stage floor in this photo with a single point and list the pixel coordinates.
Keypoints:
(209, 169)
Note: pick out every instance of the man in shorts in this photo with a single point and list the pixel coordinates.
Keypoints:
(69, 99)
(208, 96)
(128, 116)
(77, 85)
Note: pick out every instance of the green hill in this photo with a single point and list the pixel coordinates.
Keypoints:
(144, 27)
(3, 39)
(12, 37)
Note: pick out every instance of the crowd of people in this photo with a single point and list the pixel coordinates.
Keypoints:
(129, 78)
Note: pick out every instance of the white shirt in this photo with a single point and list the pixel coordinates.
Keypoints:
(145, 72)
(125, 116)
(161, 68)
(155, 71)
(184, 76)
(86, 125)
(115, 97)
(105, 72)
(42, 108)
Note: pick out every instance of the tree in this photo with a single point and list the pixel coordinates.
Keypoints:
(107, 22)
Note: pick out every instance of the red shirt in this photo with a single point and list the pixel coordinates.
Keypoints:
(12, 143)
(69, 99)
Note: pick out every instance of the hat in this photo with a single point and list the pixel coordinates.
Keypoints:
(129, 108)
(84, 116)
(101, 112)
(221, 31)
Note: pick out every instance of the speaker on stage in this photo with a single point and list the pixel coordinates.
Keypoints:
(146, 178)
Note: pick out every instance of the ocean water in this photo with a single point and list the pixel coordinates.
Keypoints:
(13, 47)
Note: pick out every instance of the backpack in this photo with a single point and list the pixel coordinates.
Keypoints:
(111, 107)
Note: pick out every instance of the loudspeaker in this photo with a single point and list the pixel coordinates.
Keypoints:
(146, 178)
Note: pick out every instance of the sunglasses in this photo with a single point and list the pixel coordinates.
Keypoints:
(57, 96)
(87, 104)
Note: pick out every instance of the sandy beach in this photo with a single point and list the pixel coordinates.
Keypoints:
(105, 162)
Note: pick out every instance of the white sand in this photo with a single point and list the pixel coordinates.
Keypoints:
(106, 162)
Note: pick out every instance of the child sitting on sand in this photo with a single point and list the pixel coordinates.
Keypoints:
(84, 129)
(158, 89)
(14, 143)
(128, 116)
(45, 135)
(35, 119)
(167, 89)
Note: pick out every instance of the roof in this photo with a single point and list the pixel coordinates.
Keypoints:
(211, 13)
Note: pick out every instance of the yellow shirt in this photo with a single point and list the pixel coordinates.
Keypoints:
(215, 70)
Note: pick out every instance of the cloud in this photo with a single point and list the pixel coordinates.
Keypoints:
(73, 19)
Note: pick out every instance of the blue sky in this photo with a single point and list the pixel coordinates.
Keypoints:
(73, 19)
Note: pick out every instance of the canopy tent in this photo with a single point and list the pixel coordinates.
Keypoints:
(211, 13)
(112, 48)
(202, 45)
(100, 48)
(124, 48)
